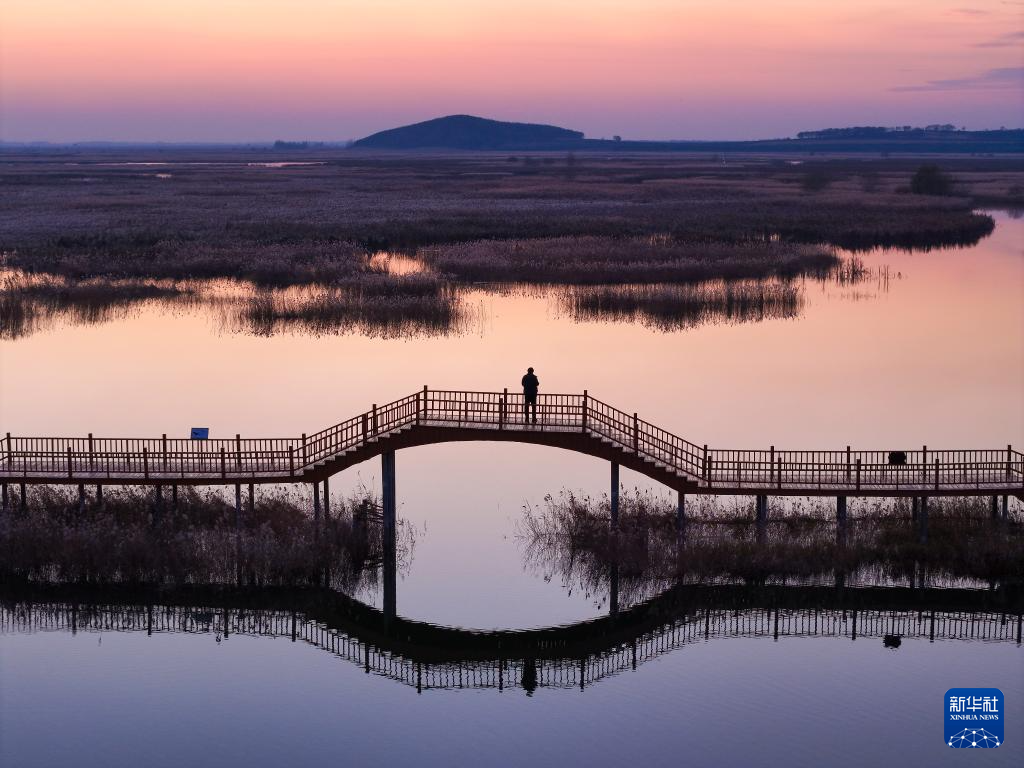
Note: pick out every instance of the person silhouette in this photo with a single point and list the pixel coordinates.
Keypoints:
(530, 385)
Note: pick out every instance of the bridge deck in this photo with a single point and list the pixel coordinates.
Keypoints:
(575, 422)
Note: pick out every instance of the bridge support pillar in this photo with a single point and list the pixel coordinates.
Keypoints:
(390, 522)
(23, 499)
(761, 510)
(327, 499)
(158, 504)
(316, 502)
(238, 544)
(5, 499)
(99, 495)
(995, 507)
(841, 519)
(1006, 506)
(915, 504)
(922, 522)
(681, 512)
(615, 494)
(174, 497)
(252, 503)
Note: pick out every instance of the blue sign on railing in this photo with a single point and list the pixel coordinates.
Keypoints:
(200, 433)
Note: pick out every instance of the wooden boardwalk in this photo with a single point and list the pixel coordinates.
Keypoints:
(579, 423)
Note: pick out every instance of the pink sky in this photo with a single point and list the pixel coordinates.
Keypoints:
(252, 70)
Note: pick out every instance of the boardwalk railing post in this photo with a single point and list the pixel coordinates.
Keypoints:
(291, 460)
(373, 419)
(365, 428)
(92, 462)
(70, 469)
(586, 405)
(858, 474)
(426, 410)
(847, 463)
(238, 450)
(223, 464)
(501, 409)
(164, 442)
(304, 460)
(1009, 459)
(636, 434)
(10, 455)
(936, 474)
(771, 464)
(145, 462)
(779, 474)
(924, 464)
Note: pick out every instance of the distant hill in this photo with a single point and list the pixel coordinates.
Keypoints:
(478, 133)
(468, 132)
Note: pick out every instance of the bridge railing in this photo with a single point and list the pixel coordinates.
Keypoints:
(465, 408)
(160, 457)
(357, 431)
(927, 469)
(632, 432)
(173, 458)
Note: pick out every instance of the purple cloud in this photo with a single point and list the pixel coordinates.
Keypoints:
(1008, 40)
(1002, 78)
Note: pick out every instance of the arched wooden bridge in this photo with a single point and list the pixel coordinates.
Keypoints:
(579, 423)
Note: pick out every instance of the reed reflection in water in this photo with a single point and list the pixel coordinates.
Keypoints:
(31, 303)
(674, 307)
(397, 297)
(381, 306)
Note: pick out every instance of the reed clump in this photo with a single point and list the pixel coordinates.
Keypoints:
(589, 260)
(570, 537)
(673, 307)
(130, 539)
(29, 303)
(93, 214)
(375, 305)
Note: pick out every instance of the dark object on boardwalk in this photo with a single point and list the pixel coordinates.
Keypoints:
(892, 641)
(530, 385)
(897, 457)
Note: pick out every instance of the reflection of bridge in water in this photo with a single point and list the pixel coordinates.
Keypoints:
(427, 656)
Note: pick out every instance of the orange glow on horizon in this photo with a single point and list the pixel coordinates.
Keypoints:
(649, 69)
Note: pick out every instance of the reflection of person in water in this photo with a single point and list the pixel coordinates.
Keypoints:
(529, 673)
(530, 385)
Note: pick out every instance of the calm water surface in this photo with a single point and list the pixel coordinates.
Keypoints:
(931, 356)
